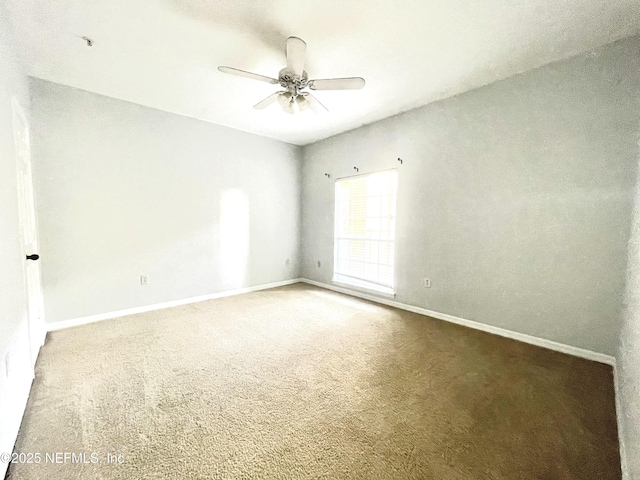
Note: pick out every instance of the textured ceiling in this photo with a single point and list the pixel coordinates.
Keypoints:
(164, 53)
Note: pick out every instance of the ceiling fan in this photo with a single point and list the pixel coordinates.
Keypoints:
(294, 80)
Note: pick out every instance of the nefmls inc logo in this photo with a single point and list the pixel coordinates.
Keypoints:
(70, 457)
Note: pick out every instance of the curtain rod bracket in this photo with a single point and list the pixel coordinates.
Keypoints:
(356, 169)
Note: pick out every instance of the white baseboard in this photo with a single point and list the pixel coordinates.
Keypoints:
(623, 451)
(75, 322)
(16, 399)
(522, 337)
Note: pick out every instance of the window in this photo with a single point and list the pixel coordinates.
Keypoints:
(365, 226)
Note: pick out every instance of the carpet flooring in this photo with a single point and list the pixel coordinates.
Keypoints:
(302, 383)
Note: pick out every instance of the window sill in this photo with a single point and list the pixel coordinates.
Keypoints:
(381, 292)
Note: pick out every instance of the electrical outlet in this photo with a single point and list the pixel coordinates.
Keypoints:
(319, 264)
(287, 262)
(144, 279)
(426, 282)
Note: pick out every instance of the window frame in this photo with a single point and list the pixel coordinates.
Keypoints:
(355, 283)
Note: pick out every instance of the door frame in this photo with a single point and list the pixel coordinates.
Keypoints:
(35, 319)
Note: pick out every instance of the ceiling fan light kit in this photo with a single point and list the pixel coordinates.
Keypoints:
(294, 79)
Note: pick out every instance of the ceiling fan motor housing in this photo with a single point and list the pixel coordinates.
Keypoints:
(291, 81)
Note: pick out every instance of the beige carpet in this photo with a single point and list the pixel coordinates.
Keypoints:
(302, 383)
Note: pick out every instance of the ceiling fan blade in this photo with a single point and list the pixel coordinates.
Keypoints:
(314, 103)
(351, 83)
(242, 73)
(296, 52)
(267, 101)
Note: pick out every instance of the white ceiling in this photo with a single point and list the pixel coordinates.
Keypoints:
(164, 53)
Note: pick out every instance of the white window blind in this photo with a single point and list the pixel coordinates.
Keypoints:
(365, 226)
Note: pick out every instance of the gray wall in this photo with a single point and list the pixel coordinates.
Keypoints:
(515, 198)
(629, 353)
(14, 340)
(124, 190)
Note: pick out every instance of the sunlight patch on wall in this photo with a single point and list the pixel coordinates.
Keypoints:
(234, 237)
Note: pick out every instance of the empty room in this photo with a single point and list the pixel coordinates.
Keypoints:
(311, 239)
